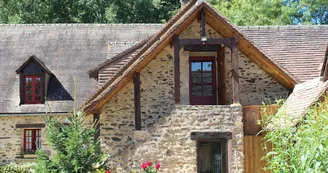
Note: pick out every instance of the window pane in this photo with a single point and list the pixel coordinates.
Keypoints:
(196, 77)
(207, 66)
(196, 90)
(207, 77)
(196, 66)
(28, 89)
(211, 157)
(208, 90)
(38, 88)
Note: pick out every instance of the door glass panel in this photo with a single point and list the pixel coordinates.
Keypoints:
(196, 66)
(207, 66)
(196, 77)
(207, 77)
(208, 90)
(196, 90)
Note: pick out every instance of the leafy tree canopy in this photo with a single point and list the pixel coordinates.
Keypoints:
(240, 12)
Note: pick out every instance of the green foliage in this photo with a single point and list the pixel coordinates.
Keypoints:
(240, 12)
(73, 142)
(256, 12)
(303, 148)
(17, 168)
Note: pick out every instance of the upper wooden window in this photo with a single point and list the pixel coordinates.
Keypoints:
(32, 140)
(32, 89)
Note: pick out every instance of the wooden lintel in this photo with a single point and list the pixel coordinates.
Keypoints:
(203, 33)
(137, 106)
(202, 48)
(96, 121)
(225, 41)
(235, 70)
(30, 126)
(210, 135)
(177, 69)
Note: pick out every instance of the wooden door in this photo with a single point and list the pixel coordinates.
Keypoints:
(202, 84)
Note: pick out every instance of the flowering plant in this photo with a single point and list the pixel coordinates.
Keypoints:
(149, 167)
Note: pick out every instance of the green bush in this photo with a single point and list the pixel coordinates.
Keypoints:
(300, 148)
(18, 168)
(76, 149)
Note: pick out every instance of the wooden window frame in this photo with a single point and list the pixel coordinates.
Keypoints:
(224, 142)
(214, 85)
(33, 101)
(34, 146)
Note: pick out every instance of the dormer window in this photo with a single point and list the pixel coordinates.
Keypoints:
(34, 79)
(32, 89)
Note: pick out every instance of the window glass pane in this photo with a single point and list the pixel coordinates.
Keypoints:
(196, 90)
(38, 88)
(196, 66)
(207, 77)
(211, 157)
(196, 77)
(207, 66)
(208, 90)
(28, 89)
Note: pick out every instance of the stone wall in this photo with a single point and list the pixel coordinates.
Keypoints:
(11, 138)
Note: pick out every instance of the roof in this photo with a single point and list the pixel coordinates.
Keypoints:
(300, 49)
(163, 37)
(33, 58)
(67, 50)
(303, 97)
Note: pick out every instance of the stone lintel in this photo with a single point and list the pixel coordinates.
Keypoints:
(210, 135)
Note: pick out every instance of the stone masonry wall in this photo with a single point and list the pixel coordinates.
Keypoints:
(11, 138)
(169, 143)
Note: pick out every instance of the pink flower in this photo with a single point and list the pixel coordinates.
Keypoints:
(148, 163)
(157, 166)
(144, 166)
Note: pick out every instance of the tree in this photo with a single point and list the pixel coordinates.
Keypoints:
(303, 148)
(256, 12)
(74, 146)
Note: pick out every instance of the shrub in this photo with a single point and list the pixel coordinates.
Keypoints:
(300, 148)
(75, 147)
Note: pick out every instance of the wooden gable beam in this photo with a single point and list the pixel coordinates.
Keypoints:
(210, 41)
(176, 68)
(137, 105)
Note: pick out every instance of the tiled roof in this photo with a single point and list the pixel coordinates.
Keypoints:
(304, 95)
(67, 50)
(300, 49)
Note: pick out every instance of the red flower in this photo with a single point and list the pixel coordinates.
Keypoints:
(144, 166)
(148, 163)
(157, 165)
(107, 171)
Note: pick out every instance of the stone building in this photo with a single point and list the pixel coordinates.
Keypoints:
(170, 93)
